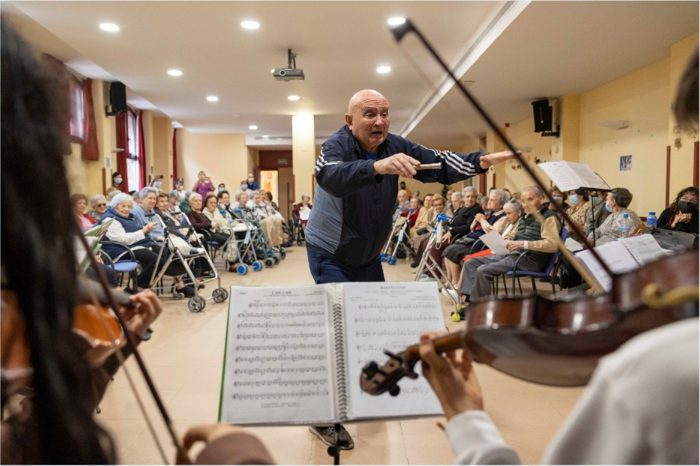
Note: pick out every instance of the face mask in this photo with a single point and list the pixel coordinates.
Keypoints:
(574, 199)
(594, 200)
(557, 198)
(222, 189)
(244, 187)
(687, 207)
(608, 207)
(250, 180)
(118, 180)
(157, 184)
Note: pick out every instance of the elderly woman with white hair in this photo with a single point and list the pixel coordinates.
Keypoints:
(98, 204)
(128, 231)
(303, 210)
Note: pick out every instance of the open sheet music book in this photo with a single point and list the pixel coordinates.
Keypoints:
(294, 354)
(568, 176)
(621, 256)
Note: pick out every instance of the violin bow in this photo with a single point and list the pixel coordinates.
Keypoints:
(399, 33)
(182, 457)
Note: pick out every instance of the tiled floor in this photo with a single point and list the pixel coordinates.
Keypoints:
(185, 358)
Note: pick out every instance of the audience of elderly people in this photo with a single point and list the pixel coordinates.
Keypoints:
(616, 203)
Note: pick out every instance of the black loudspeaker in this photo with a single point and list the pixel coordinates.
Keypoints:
(117, 98)
(542, 112)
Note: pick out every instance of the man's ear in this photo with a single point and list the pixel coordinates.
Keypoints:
(348, 120)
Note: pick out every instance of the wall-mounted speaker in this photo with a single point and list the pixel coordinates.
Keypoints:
(542, 113)
(117, 99)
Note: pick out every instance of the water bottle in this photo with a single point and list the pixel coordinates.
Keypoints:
(625, 226)
(651, 221)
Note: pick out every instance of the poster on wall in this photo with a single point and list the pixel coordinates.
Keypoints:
(625, 163)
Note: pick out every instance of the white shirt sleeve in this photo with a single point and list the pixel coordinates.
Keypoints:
(116, 233)
(475, 440)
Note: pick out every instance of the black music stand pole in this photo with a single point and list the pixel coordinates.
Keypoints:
(334, 450)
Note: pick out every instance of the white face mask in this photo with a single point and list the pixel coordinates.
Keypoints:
(250, 180)
(157, 184)
(244, 187)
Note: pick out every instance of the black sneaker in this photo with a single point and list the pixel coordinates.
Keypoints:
(327, 436)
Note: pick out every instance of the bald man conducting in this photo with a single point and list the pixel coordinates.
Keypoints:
(358, 174)
(358, 177)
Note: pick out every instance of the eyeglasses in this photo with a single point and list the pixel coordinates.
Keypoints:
(101, 205)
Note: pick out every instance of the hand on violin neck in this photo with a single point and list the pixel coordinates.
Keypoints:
(489, 160)
(138, 318)
(451, 377)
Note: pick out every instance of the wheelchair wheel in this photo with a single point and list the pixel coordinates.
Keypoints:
(283, 254)
(258, 266)
(177, 295)
(269, 262)
(220, 295)
(276, 259)
(242, 269)
(196, 304)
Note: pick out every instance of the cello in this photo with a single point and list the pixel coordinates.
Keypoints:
(552, 342)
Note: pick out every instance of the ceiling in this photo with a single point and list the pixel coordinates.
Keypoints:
(514, 52)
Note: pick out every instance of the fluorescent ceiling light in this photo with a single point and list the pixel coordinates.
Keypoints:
(383, 69)
(252, 127)
(265, 136)
(396, 21)
(212, 98)
(109, 27)
(175, 72)
(250, 25)
(293, 97)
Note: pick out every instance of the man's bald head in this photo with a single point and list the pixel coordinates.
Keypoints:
(368, 118)
(364, 95)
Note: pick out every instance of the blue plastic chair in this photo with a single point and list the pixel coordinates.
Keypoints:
(546, 273)
(123, 266)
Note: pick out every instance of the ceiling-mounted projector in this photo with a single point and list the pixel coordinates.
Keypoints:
(291, 73)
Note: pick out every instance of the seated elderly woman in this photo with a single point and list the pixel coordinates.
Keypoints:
(201, 221)
(579, 211)
(682, 214)
(421, 223)
(269, 221)
(493, 220)
(616, 203)
(79, 204)
(98, 204)
(302, 210)
(143, 211)
(128, 231)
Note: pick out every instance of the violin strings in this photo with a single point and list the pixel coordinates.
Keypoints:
(122, 360)
(460, 119)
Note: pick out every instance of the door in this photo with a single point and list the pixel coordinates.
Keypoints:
(286, 191)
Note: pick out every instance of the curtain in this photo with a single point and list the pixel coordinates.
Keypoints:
(58, 70)
(141, 148)
(91, 150)
(174, 156)
(123, 143)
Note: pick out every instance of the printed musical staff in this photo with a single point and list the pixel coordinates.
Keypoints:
(280, 382)
(280, 370)
(280, 395)
(281, 347)
(282, 357)
(281, 336)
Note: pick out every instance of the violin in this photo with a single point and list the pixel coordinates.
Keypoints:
(98, 326)
(545, 341)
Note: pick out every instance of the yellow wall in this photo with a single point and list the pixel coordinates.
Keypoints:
(224, 157)
(642, 99)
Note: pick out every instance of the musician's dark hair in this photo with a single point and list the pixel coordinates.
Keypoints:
(686, 104)
(221, 194)
(583, 193)
(689, 190)
(38, 264)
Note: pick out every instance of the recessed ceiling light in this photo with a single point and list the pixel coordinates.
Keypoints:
(396, 21)
(212, 98)
(250, 25)
(109, 27)
(265, 136)
(175, 72)
(252, 127)
(293, 97)
(383, 69)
